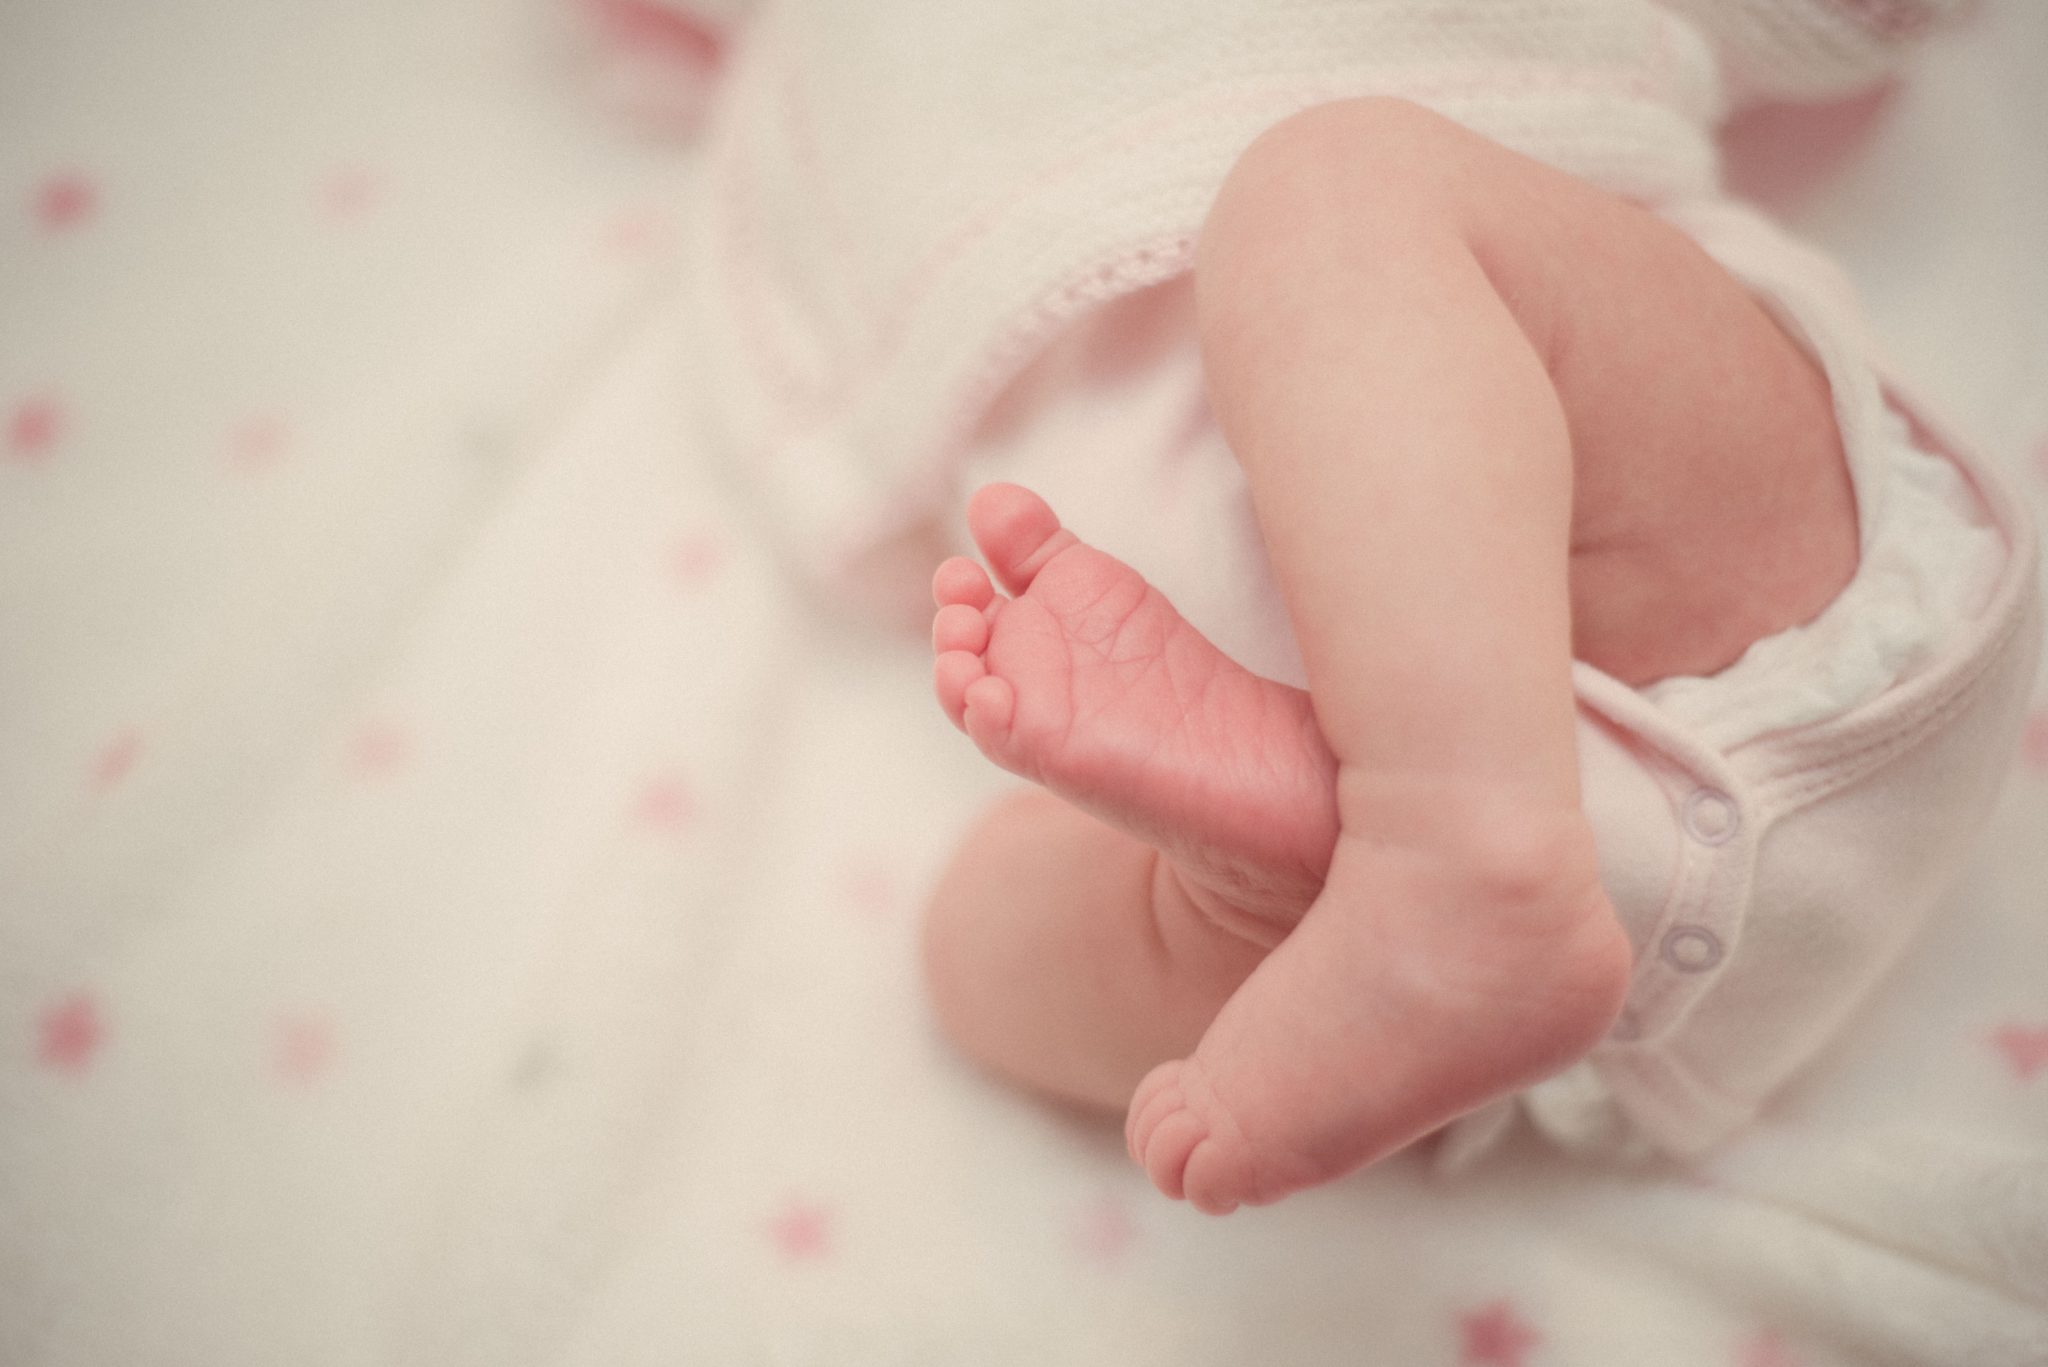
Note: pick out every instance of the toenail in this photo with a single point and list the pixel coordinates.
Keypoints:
(1711, 817)
(1690, 949)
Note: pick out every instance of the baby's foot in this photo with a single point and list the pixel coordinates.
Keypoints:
(1420, 985)
(1088, 682)
(1423, 982)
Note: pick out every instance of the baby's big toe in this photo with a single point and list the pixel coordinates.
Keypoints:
(1017, 531)
(1218, 1176)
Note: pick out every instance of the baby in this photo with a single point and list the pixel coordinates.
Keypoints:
(1493, 420)
(1661, 664)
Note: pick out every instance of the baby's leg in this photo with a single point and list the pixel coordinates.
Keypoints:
(1073, 944)
(1462, 949)
(1413, 340)
(1068, 956)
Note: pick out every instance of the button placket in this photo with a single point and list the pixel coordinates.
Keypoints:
(1711, 816)
(1628, 1026)
(1690, 948)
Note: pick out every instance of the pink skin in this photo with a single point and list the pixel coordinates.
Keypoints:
(1091, 685)
(1482, 409)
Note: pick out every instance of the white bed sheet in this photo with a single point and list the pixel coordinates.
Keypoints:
(458, 894)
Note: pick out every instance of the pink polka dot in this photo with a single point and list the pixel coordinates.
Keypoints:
(1766, 1350)
(65, 201)
(801, 1231)
(71, 1033)
(2034, 742)
(694, 558)
(304, 1048)
(1103, 1232)
(257, 443)
(36, 427)
(116, 759)
(1493, 1336)
(665, 804)
(871, 887)
(669, 32)
(380, 749)
(2025, 1048)
(349, 192)
(638, 232)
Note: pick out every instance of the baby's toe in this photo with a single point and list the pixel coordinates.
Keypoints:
(1190, 1151)
(1168, 1147)
(988, 706)
(960, 626)
(1158, 1095)
(1217, 1175)
(1017, 531)
(960, 580)
(953, 673)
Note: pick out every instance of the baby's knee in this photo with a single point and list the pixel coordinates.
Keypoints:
(1379, 145)
(1353, 182)
(956, 936)
(1376, 156)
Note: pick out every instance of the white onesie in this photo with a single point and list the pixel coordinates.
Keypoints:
(941, 248)
(1775, 835)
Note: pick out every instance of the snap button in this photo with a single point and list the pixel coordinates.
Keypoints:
(1711, 817)
(1690, 949)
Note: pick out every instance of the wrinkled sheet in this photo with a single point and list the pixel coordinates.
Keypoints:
(458, 892)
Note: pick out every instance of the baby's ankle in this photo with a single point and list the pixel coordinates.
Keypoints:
(1507, 844)
(1258, 913)
(1429, 808)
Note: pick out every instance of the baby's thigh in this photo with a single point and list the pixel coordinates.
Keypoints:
(1070, 956)
(1711, 502)
(1712, 499)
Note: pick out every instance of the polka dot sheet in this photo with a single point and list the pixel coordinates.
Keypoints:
(458, 898)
